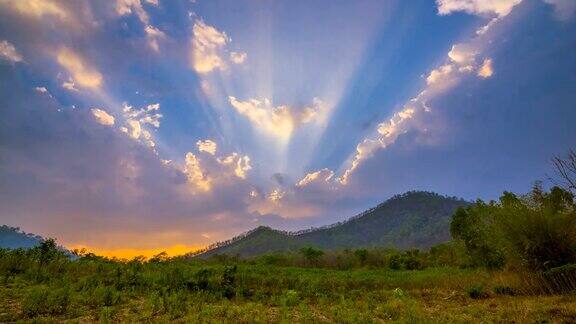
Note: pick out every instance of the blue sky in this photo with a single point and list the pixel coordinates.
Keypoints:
(139, 125)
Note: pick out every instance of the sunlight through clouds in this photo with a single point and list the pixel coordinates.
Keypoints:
(84, 75)
(220, 115)
(280, 121)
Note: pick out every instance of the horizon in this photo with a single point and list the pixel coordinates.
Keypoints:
(135, 127)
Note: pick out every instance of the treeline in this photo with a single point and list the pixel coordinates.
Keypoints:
(450, 254)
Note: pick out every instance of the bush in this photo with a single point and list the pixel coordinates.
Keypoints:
(476, 292)
(46, 301)
(536, 232)
(105, 296)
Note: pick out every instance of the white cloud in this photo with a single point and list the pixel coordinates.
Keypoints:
(38, 8)
(461, 62)
(196, 175)
(82, 74)
(154, 35)
(102, 117)
(499, 8)
(207, 46)
(8, 52)
(134, 128)
(207, 146)
(128, 7)
(241, 164)
(136, 121)
(462, 54)
(279, 121)
(276, 195)
(486, 69)
(388, 132)
(146, 115)
(320, 176)
(41, 90)
(238, 58)
(441, 74)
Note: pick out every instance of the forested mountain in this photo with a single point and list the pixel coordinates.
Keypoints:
(13, 238)
(415, 219)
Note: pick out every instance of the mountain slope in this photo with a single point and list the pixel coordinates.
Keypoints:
(415, 219)
(13, 238)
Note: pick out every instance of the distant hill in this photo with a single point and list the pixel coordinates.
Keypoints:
(415, 219)
(13, 238)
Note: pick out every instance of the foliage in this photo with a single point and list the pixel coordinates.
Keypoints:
(314, 286)
(536, 232)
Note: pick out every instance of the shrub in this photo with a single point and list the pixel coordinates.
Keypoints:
(46, 301)
(290, 298)
(476, 292)
(536, 232)
(105, 296)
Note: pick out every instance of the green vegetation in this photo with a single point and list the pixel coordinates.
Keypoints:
(310, 285)
(415, 219)
(534, 234)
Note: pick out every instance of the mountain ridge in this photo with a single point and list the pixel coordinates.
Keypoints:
(414, 219)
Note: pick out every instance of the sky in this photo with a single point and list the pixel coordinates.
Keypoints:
(132, 127)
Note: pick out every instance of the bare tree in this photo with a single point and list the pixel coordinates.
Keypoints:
(565, 169)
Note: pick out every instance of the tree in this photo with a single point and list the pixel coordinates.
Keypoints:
(311, 254)
(536, 231)
(565, 169)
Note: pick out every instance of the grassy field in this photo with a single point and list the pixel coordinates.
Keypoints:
(198, 292)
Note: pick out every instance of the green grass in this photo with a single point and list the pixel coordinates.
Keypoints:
(203, 292)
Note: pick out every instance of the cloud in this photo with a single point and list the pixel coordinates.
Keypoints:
(462, 54)
(388, 132)
(137, 119)
(102, 117)
(441, 76)
(238, 58)
(461, 62)
(128, 7)
(563, 9)
(82, 74)
(207, 146)
(41, 90)
(320, 176)
(207, 46)
(196, 175)
(240, 164)
(8, 52)
(279, 121)
(486, 70)
(38, 8)
(154, 35)
(499, 8)
(208, 172)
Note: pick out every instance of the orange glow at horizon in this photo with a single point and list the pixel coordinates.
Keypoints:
(130, 253)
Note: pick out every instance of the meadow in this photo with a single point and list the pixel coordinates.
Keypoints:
(47, 285)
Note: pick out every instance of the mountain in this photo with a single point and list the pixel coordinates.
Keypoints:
(415, 219)
(13, 238)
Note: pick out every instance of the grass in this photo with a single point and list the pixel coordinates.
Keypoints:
(201, 292)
